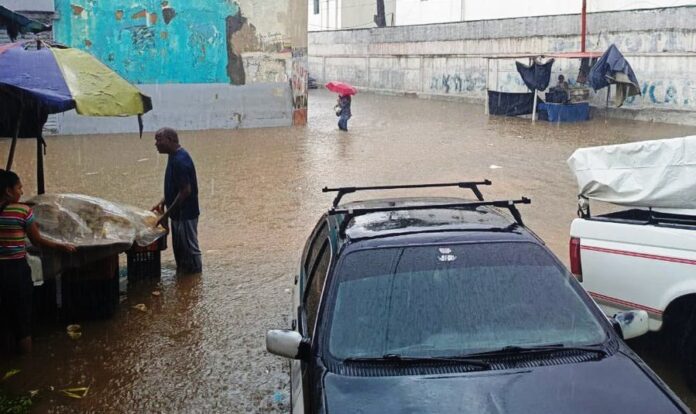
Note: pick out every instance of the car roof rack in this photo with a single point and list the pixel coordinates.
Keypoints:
(510, 205)
(472, 185)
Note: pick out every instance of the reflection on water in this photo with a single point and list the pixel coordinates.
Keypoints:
(200, 346)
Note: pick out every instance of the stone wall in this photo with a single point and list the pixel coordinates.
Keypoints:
(454, 60)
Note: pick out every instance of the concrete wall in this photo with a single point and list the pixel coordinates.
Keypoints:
(29, 5)
(193, 107)
(450, 61)
(203, 49)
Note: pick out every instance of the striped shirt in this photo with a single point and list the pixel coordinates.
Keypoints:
(14, 221)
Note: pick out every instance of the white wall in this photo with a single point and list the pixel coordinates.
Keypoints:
(329, 17)
(499, 9)
(359, 14)
(428, 11)
(351, 14)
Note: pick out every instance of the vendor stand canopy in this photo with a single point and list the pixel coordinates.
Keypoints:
(649, 174)
(52, 79)
(536, 77)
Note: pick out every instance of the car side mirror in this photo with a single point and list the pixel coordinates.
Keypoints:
(287, 343)
(632, 323)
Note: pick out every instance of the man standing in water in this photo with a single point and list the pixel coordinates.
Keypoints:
(180, 200)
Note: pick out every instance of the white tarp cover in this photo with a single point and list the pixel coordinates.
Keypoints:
(658, 174)
(90, 221)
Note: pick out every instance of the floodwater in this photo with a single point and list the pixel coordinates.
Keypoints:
(200, 345)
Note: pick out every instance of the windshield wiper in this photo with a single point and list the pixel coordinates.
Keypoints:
(516, 350)
(465, 360)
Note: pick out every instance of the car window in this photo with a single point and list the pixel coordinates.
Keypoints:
(312, 252)
(317, 277)
(455, 299)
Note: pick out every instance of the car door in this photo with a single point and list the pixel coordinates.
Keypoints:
(314, 262)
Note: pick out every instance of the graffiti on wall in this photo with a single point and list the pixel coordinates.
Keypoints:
(151, 41)
(174, 41)
(298, 83)
(458, 83)
(665, 94)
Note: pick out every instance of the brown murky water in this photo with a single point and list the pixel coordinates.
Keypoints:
(200, 347)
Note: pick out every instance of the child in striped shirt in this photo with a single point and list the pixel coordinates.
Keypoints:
(16, 224)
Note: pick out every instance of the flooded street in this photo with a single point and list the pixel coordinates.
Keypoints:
(200, 346)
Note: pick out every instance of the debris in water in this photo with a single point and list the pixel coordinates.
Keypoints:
(156, 293)
(78, 392)
(11, 373)
(494, 167)
(287, 290)
(279, 397)
(74, 331)
(33, 393)
(143, 159)
(92, 173)
(141, 307)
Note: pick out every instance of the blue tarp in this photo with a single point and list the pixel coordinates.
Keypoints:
(536, 76)
(612, 67)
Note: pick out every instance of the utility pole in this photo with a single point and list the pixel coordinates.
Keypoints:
(380, 17)
(583, 25)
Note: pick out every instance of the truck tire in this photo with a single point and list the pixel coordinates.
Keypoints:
(688, 358)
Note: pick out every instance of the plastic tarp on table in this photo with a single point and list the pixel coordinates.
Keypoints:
(99, 228)
(659, 174)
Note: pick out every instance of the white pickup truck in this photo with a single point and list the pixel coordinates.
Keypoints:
(642, 257)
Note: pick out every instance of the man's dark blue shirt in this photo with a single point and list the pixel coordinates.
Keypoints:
(180, 172)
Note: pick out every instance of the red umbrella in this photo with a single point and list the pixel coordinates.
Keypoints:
(341, 88)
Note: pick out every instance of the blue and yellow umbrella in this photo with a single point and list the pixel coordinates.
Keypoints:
(36, 82)
(62, 78)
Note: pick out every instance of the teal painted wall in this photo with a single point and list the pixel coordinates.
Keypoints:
(135, 39)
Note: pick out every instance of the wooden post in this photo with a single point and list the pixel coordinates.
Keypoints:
(39, 165)
(10, 157)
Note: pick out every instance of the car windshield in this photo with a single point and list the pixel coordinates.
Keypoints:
(455, 299)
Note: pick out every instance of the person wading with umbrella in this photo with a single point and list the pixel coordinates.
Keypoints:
(344, 91)
(344, 114)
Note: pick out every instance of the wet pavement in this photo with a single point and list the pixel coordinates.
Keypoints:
(200, 345)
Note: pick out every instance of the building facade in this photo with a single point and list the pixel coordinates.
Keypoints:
(348, 14)
(329, 14)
